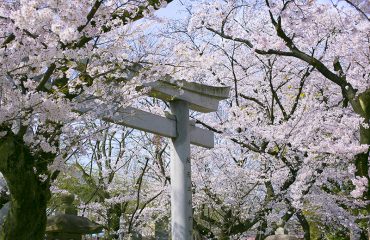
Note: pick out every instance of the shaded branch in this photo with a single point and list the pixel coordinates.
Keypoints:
(358, 9)
(91, 14)
(9, 39)
(139, 183)
(46, 77)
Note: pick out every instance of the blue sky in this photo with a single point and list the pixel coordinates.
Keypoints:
(172, 10)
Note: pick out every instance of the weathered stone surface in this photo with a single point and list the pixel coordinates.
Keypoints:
(68, 223)
(63, 236)
(148, 122)
(279, 235)
(201, 98)
(67, 205)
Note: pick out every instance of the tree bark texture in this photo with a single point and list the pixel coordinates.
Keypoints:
(361, 105)
(29, 195)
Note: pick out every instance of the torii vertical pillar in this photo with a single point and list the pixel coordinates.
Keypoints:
(181, 200)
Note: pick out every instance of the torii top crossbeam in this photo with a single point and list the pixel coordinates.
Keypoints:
(201, 98)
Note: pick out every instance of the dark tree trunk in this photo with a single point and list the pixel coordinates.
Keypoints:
(361, 105)
(114, 215)
(305, 225)
(26, 218)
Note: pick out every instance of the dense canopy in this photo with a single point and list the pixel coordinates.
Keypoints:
(292, 140)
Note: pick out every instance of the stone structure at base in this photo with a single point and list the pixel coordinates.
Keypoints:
(66, 225)
(280, 235)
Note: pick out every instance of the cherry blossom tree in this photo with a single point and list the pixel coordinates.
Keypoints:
(119, 181)
(53, 55)
(300, 107)
(294, 137)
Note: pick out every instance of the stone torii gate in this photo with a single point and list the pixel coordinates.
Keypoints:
(182, 96)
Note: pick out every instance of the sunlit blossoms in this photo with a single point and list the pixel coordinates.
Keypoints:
(292, 141)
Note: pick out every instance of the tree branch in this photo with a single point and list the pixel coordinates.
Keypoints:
(46, 77)
(91, 14)
(358, 9)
